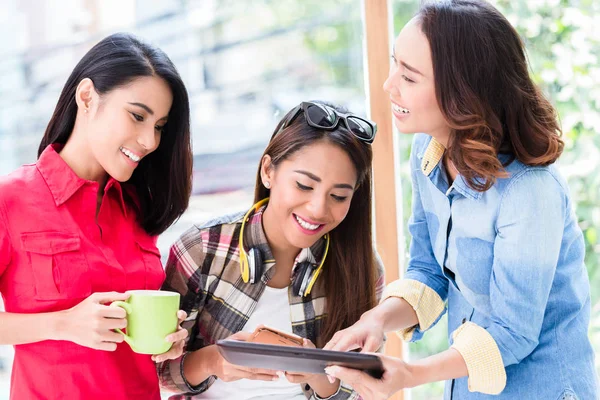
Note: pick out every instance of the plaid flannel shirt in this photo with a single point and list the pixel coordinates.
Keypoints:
(203, 266)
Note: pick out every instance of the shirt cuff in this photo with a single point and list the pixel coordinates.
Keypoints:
(317, 397)
(172, 378)
(344, 392)
(482, 356)
(424, 300)
(169, 375)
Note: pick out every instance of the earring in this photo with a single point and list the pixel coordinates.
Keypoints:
(85, 110)
(267, 184)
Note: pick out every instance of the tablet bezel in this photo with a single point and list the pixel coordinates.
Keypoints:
(296, 359)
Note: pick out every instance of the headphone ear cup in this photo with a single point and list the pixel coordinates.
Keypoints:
(255, 264)
(302, 278)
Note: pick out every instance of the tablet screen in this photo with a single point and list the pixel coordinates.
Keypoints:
(296, 359)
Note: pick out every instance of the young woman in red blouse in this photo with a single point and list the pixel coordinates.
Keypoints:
(78, 228)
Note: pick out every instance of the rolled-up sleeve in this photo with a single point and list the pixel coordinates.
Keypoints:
(425, 301)
(529, 230)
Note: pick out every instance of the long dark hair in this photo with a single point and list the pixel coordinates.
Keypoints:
(350, 265)
(485, 92)
(163, 179)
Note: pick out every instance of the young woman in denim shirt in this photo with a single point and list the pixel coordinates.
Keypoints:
(494, 234)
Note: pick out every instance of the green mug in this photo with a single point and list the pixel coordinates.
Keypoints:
(151, 316)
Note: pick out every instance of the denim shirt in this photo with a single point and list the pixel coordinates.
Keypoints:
(510, 260)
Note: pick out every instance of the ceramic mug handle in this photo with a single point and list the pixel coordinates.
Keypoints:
(127, 307)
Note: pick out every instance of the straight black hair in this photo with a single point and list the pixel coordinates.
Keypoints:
(162, 181)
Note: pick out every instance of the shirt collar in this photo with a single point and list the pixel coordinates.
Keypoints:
(63, 182)
(254, 237)
(461, 186)
(432, 156)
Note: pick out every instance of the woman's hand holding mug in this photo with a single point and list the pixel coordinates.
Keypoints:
(178, 339)
(92, 322)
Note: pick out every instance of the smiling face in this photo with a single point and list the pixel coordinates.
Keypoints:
(310, 195)
(411, 85)
(125, 125)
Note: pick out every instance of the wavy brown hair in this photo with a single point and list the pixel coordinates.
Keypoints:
(484, 91)
(350, 271)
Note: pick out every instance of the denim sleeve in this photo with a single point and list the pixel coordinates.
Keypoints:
(422, 265)
(529, 230)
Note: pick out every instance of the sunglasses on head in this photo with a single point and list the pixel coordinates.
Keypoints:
(322, 116)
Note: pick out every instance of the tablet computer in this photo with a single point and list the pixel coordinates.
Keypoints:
(296, 359)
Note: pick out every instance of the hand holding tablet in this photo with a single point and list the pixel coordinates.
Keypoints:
(291, 356)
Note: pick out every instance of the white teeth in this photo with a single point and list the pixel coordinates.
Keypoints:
(399, 109)
(306, 225)
(129, 154)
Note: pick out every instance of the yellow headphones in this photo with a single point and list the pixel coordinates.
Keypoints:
(251, 262)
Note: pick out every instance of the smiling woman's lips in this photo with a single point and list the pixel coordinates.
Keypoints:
(308, 221)
(305, 230)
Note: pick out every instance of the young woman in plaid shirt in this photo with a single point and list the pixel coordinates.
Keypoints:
(312, 219)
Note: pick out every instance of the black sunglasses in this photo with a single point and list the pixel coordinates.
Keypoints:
(322, 116)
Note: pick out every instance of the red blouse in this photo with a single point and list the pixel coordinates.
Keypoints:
(53, 255)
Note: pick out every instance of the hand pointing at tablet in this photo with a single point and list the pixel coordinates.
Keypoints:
(395, 378)
(366, 334)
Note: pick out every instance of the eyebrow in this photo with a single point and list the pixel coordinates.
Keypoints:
(413, 69)
(317, 179)
(405, 65)
(145, 107)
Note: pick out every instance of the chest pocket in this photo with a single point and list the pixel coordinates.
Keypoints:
(154, 272)
(60, 270)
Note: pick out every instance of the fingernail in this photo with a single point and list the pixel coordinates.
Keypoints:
(168, 339)
(330, 371)
(276, 378)
(280, 374)
(330, 378)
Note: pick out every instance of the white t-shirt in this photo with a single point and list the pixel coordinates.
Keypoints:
(273, 310)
